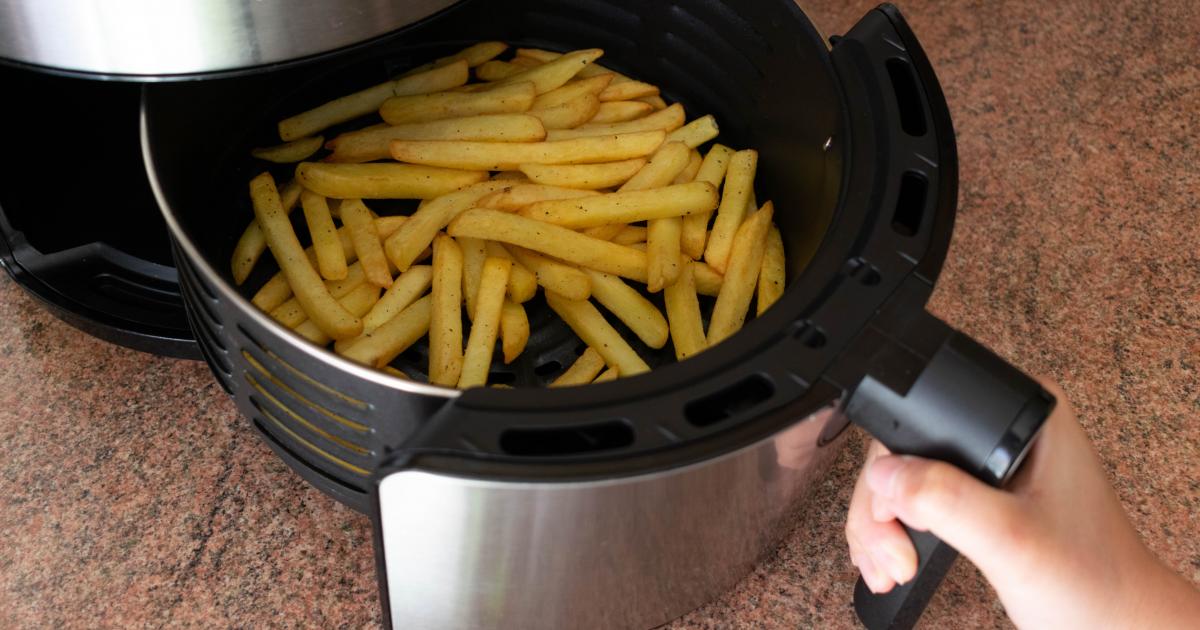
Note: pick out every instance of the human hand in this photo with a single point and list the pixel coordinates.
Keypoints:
(1056, 545)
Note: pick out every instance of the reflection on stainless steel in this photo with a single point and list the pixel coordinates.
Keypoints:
(622, 553)
(165, 37)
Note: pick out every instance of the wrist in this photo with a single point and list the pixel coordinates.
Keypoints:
(1157, 597)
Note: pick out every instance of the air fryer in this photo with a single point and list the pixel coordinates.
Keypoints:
(629, 503)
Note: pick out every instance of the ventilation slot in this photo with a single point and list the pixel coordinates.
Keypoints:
(729, 402)
(908, 97)
(549, 442)
(910, 204)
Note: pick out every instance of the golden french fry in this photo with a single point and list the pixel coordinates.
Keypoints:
(497, 70)
(683, 313)
(583, 371)
(445, 325)
(252, 243)
(356, 302)
(365, 236)
(507, 99)
(584, 176)
(627, 91)
(394, 372)
(507, 156)
(526, 62)
(330, 259)
(696, 132)
(695, 227)
(553, 74)
(417, 233)
(739, 185)
(592, 70)
(514, 330)
(688, 174)
(411, 285)
(655, 101)
(538, 54)
(382, 345)
(474, 254)
(289, 152)
(667, 120)
(772, 278)
(475, 55)
(383, 181)
(485, 328)
(607, 232)
(590, 326)
(553, 275)
(291, 314)
(551, 240)
(522, 284)
(745, 265)
(626, 207)
(374, 144)
(630, 307)
(521, 195)
(511, 177)
(571, 92)
(333, 319)
(367, 101)
(629, 235)
(611, 374)
(621, 111)
(568, 115)
(708, 280)
(662, 253)
(661, 169)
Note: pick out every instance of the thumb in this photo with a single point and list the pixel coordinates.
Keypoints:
(976, 519)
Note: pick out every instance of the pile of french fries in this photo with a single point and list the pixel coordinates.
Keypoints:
(549, 170)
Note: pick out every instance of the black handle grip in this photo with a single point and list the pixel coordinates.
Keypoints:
(935, 393)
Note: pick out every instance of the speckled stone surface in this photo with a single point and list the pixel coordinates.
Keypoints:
(132, 495)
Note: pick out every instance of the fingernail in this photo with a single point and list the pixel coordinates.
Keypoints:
(883, 473)
(871, 574)
(896, 560)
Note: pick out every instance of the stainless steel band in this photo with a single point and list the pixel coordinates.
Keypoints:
(155, 38)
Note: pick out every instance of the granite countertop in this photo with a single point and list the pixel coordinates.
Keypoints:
(132, 493)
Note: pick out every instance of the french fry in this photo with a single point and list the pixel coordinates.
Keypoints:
(333, 319)
(475, 55)
(417, 233)
(514, 330)
(383, 181)
(331, 260)
(507, 156)
(289, 152)
(745, 265)
(611, 374)
(474, 255)
(553, 275)
(739, 186)
(253, 243)
(382, 345)
(688, 174)
(629, 235)
(627, 90)
(511, 177)
(661, 169)
(367, 146)
(621, 111)
(607, 232)
(772, 278)
(526, 62)
(507, 99)
(367, 101)
(708, 280)
(583, 371)
(522, 284)
(683, 313)
(445, 324)
(291, 314)
(405, 290)
(365, 236)
(590, 326)
(568, 115)
(356, 302)
(592, 70)
(538, 54)
(695, 227)
(583, 176)
(626, 207)
(655, 101)
(553, 74)
(551, 240)
(497, 70)
(662, 253)
(521, 195)
(571, 92)
(630, 307)
(696, 132)
(485, 327)
(667, 120)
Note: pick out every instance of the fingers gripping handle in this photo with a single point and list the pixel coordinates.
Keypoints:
(940, 395)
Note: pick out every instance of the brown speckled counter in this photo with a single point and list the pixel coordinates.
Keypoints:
(131, 493)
